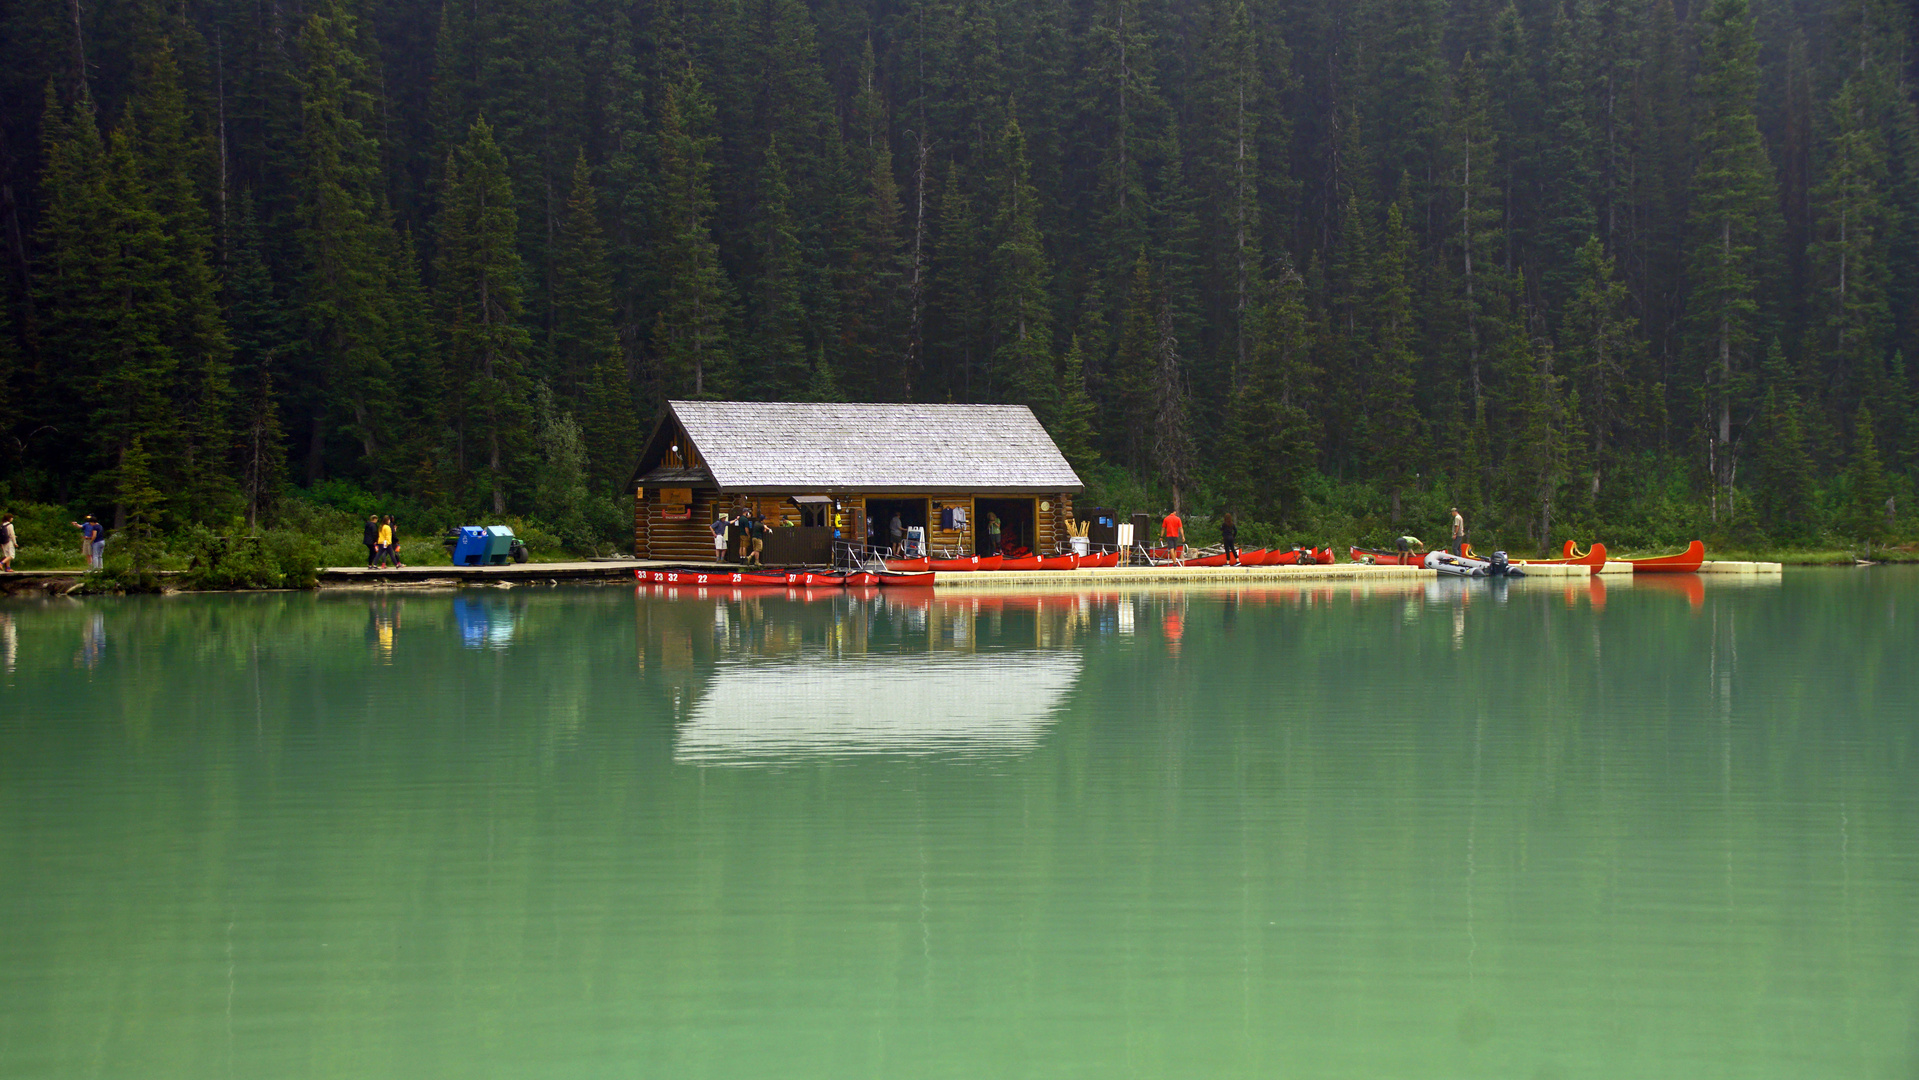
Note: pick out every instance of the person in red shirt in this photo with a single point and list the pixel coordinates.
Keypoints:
(1175, 532)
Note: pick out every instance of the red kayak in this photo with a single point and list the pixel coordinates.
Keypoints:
(969, 563)
(896, 580)
(1059, 562)
(1685, 562)
(908, 566)
(1030, 562)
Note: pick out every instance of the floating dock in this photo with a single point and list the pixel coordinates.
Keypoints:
(620, 570)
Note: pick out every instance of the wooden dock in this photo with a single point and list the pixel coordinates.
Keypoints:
(603, 570)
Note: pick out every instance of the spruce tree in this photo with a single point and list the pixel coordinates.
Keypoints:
(691, 351)
(1732, 190)
(343, 274)
(588, 359)
(1393, 421)
(108, 305)
(479, 299)
(172, 158)
(1783, 489)
(261, 337)
(1866, 512)
(1849, 249)
(781, 367)
(1477, 239)
(877, 277)
(582, 330)
(1127, 392)
(1567, 172)
(1023, 362)
(1073, 414)
(1601, 350)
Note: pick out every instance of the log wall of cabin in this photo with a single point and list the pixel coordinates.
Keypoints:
(656, 537)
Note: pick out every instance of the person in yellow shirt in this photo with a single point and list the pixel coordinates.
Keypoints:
(387, 558)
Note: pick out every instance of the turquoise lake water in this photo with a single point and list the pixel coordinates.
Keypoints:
(1652, 829)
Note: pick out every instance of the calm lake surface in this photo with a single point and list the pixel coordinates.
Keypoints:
(1667, 829)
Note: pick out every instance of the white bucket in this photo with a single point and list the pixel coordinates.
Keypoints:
(1081, 545)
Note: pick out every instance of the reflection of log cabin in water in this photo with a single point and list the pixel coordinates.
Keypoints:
(771, 712)
(821, 471)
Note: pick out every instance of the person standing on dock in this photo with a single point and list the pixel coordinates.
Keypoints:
(719, 537)
(370, 539)
(9, 544)
(1459, 533)
(390, 543)
(93, 542)
(756, 530)
(992, 533)
(1174, 531)
(1229, 539)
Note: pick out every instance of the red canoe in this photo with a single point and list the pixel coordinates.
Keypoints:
(909, 566)
(991, 562)
(862, 579)
(1208, 560)
(896, 580)
(1685, 562)
(970, 563)
(818, 581)
(1030, 562)
(1110, 558)
(1059, 562)
(1595, 558)
(1386, 558)
(778, 580)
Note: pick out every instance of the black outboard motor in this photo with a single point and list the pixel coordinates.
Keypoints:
(1500, 564)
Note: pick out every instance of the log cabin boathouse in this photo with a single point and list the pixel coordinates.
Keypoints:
(818, 468)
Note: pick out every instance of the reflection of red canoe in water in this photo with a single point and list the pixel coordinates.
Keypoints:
(1685, 562)
(1595, 558)
(1688, 585)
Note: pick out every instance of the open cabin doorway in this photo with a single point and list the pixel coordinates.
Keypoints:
(879, 520)
(1017, 518)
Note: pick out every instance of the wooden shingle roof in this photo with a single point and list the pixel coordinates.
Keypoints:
(775, 446)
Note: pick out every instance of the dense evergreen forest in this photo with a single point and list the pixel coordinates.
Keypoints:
(1584, 267)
